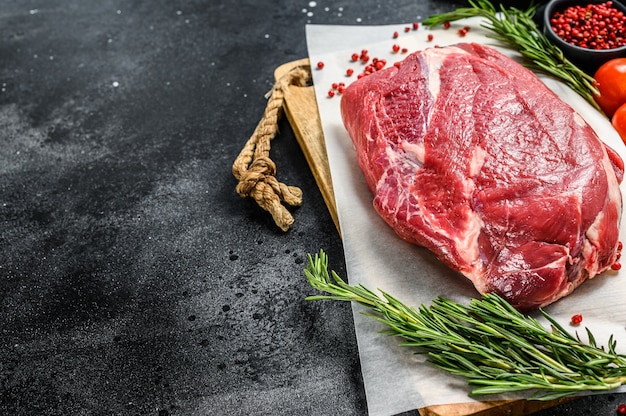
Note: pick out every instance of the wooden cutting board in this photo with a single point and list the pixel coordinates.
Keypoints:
(301, 110)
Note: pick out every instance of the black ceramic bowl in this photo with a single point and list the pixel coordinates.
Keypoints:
(587, 59)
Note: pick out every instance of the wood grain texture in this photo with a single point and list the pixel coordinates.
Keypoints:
(301, 111)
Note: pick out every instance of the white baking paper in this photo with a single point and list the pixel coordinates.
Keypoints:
(396, 379)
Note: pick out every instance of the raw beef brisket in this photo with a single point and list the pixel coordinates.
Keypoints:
(470, 155)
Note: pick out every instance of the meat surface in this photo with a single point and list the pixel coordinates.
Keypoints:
(470, 155)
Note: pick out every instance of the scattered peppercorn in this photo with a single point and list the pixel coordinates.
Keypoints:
(355, 56)
(349, 72)
(395, 47)
(621, 409)
(320, 65)
(395, 35)
(406, 29)
(594, 26)
(430, 37)
(616, 266)
(446, 25)
(331, 93)
(576, 319)
(364, 55)
(416, 25)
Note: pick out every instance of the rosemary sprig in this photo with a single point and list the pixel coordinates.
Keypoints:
(517, 28)
(495, 347)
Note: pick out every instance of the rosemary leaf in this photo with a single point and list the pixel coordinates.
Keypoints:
(488, 342)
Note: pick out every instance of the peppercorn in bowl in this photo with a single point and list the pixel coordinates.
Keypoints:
(588, 32)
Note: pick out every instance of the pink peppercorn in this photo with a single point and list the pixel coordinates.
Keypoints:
(594, 26)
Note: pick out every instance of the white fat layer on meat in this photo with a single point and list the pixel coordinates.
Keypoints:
(467, 243)
(593, 232)
(579, 120)
(590, 253)
(479, 156)
(416, 149)
(433, 60)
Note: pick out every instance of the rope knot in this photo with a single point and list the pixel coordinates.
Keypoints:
(263, 165)
(253, 167)
(260, 169)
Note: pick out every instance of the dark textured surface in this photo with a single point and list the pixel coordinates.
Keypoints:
(133, 280)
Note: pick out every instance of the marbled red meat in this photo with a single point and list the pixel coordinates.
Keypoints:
(470, 155)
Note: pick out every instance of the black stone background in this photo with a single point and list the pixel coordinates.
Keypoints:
(133, 279)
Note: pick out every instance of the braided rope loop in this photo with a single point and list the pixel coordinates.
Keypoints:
(254, 169)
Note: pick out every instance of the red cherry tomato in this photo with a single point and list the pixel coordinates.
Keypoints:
(619, 121)
(611, 82)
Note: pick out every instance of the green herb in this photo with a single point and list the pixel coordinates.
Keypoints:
(495, 347)
(517, 28)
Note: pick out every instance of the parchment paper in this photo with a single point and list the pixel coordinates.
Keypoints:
(397, 380)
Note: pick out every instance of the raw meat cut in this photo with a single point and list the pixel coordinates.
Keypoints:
(470, 155)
